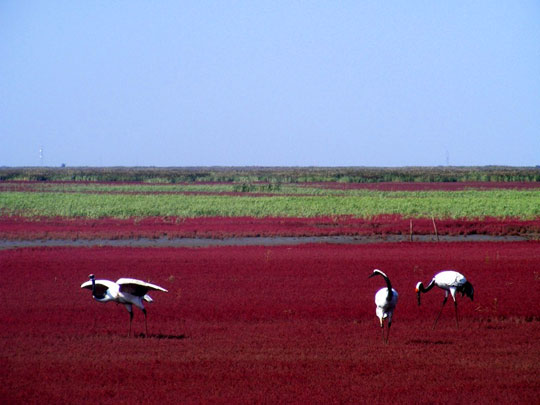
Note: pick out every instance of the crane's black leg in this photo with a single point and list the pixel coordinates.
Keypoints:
(455, 307)
(145, 322)
(130, 321)
(388, 331)
(436, 319)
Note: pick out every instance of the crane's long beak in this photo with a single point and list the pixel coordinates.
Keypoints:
(418, 296)
(371, 275)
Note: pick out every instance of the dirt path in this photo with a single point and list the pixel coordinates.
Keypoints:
(252, 241)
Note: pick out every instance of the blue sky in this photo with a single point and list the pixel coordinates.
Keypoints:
(277, 83)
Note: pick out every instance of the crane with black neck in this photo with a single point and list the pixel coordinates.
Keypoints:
(126, 291)
(451, 282)
(385, 303)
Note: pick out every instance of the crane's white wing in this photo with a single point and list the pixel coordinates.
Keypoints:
(101, 286)
(137, 287)
(450, 278)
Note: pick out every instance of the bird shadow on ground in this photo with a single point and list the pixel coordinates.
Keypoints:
(429, 342)
(160, 336)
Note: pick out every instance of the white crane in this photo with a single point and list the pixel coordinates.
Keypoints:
(127, 291)
(451, 282)
(385, 301)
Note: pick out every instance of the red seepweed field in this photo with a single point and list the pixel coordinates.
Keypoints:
(43, 186)
(292, 324)
(21, 228)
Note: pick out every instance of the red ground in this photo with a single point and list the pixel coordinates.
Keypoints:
(426, 186)
(289, 324)
(19, 228)
(40, 186)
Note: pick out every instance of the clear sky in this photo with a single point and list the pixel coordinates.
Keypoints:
(269, 83)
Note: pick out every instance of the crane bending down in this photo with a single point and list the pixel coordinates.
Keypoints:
(127, 291)
(451, 282)
(385, 301)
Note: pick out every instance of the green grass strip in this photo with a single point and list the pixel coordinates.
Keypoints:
(524, 204)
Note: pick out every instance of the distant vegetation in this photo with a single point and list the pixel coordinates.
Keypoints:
(274, 175)
(522, 204)
(265, 192)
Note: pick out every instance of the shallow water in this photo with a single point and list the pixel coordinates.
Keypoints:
(252, 241)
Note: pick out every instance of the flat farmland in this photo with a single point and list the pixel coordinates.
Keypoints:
(277, 324)
(75, 210)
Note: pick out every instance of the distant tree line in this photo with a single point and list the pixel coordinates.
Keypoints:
(274, 175)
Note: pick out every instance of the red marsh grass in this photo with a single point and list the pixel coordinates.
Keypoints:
(23, 228)
(292, 324)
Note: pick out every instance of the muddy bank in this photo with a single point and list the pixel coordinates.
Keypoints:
(253, 241)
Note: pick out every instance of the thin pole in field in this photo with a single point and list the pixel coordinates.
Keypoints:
(435, 227)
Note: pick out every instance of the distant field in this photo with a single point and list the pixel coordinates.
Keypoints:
(267, 202)
(92, 210)
(523, 204)
(283, 175)
(260, 188)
